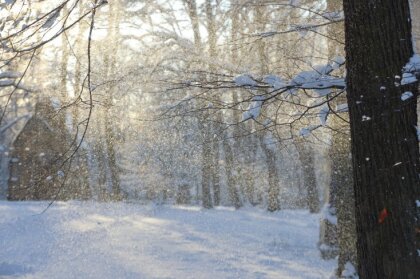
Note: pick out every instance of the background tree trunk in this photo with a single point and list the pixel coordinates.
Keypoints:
(109, 122)
(339, 237)
(231, 147)
(216, 125)
(306, 158)
(204, 127)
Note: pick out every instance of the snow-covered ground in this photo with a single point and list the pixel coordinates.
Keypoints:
(120, 240)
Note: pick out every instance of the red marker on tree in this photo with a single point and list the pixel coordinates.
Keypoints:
(382, 216)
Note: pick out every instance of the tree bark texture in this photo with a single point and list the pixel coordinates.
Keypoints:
(385, 149)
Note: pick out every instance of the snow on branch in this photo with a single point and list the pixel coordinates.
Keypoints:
(319, 86)
(10, 74)
(254, 108)
(302, 29)
(334, 15)
(304, 132)
(319, 79)
(11, 123)
(245, 80)
(8, 79)
(411, 70)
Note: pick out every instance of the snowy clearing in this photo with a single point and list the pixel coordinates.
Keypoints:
(120, 240)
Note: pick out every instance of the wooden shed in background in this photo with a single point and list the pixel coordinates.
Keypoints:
(35, 169)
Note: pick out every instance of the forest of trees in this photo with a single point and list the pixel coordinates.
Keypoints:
(291, 104)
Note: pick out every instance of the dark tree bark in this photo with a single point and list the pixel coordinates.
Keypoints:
(385, 148)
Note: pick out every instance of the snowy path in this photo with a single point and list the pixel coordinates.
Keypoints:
(93, 240)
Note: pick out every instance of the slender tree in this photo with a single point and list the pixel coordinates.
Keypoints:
(231, 147)
(216, 126)
(339, 238)
(110, 66)
(342, 198)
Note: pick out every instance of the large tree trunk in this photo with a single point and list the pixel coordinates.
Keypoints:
(385, 149)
